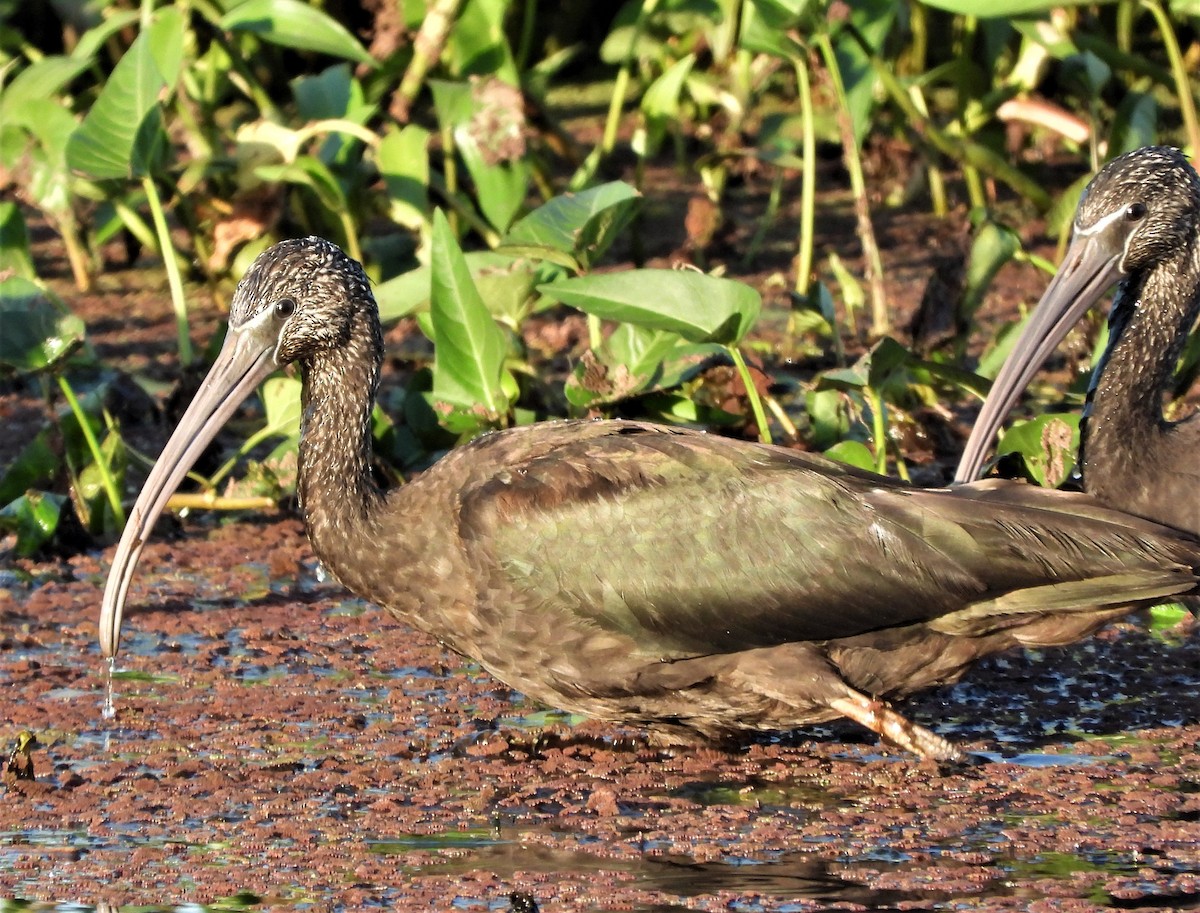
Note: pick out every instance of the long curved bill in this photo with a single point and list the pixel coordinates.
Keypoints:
(1091, 265)
(246, 359)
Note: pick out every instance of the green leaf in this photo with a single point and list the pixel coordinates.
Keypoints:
(853, 453)
(994, 246)
(486, 134)
(580, 224)
(1047, 445)
(698, 307)
(469, 346)
(660, 104)
(165, 38)
(38, 331)
(122, 135)
(15, 258)
(403, 160)
(504, 283)
(34, 518)
(294, 24)
(36, 464)
(874, 369)
(282, 401)
(39, 82)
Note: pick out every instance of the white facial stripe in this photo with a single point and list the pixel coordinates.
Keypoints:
(1101, 225)
(257, 320)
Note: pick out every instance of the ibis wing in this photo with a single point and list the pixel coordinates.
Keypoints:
(699, 544)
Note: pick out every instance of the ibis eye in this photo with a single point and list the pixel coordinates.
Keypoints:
(285, 308)
(1135, 212)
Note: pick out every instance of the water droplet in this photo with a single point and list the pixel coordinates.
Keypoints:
(110, 710)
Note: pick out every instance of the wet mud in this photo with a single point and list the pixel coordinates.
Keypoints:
(279, 744)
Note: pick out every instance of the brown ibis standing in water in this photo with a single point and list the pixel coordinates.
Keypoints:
(697, 586)
(1138, 224)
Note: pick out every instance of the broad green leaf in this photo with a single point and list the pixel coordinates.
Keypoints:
(477, 45)
(581, 224)
(874, 369)
(282, 401)
(470, 347)
(94, 39)
(122, 135)
(660, 104)
(403, 160)
(34, 518)
(294, 24)
(15, 258)
(698, 307)
(504, 283)
(165, 38)
(89, 493)
(36, 464)
(38, 332)
(487, 135)
(39, 82)
(1047, 445)
(1136, 123)
(853, 453)
(994, 246)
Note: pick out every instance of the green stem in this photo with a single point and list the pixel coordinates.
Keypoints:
(756, 406)
(764, 224)
(808, 179)
(174, 279)
(878, 430)
(1183, 88)
(880, 321)
(85, 426)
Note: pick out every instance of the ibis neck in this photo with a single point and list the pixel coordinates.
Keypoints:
(337, 494)
(1123, 423)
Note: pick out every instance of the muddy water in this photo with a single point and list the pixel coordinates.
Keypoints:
(276, 744)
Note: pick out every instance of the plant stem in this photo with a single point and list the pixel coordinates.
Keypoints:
(878, 430)
(756, 406)
(174, 280)
(808, 179)
(85, 427)
(880, 321)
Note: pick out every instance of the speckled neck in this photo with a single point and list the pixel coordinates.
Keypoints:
(337, 494)
(1151, 318)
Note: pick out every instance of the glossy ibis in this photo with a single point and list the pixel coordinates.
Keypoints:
(1138, 224)
(680, 581)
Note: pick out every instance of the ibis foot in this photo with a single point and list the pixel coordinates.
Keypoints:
(892, 727)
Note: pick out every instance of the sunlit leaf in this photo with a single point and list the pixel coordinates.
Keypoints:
(853, 453)
(698, 307)
(38, 332)
(39, 82)
(1047, 445)
(34, 518)
(660, 104)
(15, 258)
(403, 160)
(994, 246)
(122, 135)
(470, 347)
(581, 224)
(294, 24)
